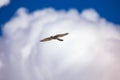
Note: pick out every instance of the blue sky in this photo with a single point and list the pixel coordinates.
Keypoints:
(108, 9)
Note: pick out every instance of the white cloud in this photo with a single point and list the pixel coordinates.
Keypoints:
(90, 15)
(4, 2)
(89, 52)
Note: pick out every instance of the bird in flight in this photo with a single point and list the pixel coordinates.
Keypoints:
(56, 37)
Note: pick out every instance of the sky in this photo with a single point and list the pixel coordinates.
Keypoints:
(91, 51)
(105, 8)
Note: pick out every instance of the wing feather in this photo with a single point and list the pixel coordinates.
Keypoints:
(46, 39)
(61, 35)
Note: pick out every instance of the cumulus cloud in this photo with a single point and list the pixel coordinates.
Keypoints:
(91, 51)
(4, 2)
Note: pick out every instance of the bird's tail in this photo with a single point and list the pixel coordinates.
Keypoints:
(59, 39)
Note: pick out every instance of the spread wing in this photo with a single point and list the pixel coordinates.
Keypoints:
(61, 35)
(46, 39)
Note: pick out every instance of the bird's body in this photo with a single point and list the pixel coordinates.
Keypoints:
(56, 37)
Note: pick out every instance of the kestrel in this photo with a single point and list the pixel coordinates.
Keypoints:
(56, 37)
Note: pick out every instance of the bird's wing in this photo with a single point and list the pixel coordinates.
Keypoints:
(46, 39)
(61, 35)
